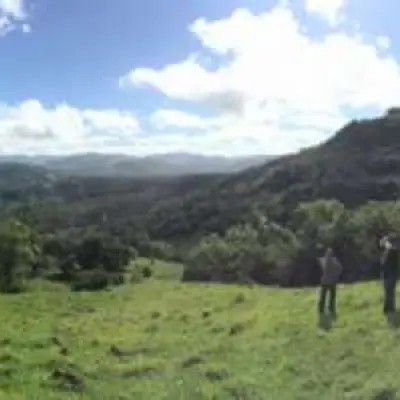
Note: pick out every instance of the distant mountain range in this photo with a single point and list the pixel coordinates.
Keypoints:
(170, 164)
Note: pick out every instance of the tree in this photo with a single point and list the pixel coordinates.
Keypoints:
(319, 222)
(282, 249)
(258, 251)
(98, 250)
(370, 222)
(18, 252)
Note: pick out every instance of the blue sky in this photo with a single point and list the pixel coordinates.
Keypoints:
(78, 49)
(227, 77)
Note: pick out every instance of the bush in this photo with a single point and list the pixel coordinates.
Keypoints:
(261, 252)
(97, 279)
(97, 250)
(91, 260)
(45, 265)
(18, 252)
(147, 272)
(140, 273)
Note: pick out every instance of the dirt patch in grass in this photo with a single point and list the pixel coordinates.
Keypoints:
(141, 373)
(68, 378)
(118, 351)
(215, 375)
(193, 360)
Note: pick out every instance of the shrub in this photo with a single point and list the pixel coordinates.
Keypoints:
(261, 252)
(147, 272)
(138, 273)
(89, 260)
(97, 279)
(18, 252)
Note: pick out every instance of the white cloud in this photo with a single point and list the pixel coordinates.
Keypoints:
(383, 42)
(13, 8)
(186, 80)
(111, 121)
(269, 87)
(5, 25)
(12, 15)
(329, 10)
(167, 118)
(281, 88)
(30, 127)
(26, 28)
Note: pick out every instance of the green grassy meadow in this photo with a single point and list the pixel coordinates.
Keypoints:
(165, 340)
(162, 270)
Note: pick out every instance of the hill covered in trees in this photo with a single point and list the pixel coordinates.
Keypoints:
(317, 196)
(360, 163)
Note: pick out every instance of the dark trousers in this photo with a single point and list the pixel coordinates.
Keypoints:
(389, 288)
(324, 292)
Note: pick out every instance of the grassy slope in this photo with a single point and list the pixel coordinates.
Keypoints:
(196, 342)
(162, 270)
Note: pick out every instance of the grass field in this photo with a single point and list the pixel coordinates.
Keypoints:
(162, 270)
(165, 340)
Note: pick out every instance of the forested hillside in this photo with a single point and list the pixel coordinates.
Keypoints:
(360, 163)
(166, 217)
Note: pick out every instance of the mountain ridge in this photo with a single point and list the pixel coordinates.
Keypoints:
(120, 165)
(361, 162)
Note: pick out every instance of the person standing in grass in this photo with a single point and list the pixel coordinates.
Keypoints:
(389, 271)
(331, 271)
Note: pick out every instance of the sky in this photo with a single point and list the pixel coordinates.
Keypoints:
(229, 77)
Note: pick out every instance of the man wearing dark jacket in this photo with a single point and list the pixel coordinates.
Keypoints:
(331, 271)
(389, 271)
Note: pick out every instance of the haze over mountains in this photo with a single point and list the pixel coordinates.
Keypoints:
(118, 165)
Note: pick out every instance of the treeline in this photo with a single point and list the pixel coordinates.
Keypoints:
(256, 250)
(91, 261)
(259, 250)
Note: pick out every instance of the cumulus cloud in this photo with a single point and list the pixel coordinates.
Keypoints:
(329, 10)
(167, 118)
(383, 42)
(268, 87)
(13, 8)
(281, 89)
(26, 28)
(12, 16)
(31, 127)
